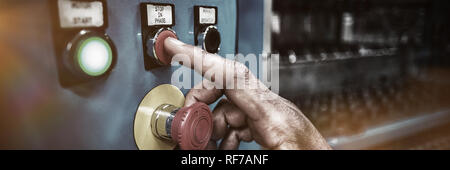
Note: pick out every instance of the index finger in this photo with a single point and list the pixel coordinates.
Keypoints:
(209, 62)
(249, 100)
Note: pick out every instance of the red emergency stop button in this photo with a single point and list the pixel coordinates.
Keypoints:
(192, 127)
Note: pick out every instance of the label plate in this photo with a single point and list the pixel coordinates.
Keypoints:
(78, 14)
(159, 15)
(207, 15)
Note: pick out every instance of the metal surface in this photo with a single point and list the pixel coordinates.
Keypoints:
(143, 128)
(161, 121)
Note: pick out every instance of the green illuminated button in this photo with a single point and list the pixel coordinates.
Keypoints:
(94, 56)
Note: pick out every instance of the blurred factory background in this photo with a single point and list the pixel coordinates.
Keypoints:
(370, 74)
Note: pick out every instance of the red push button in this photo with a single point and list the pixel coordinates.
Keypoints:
(160, 53)
(192, 127)
(155, 46)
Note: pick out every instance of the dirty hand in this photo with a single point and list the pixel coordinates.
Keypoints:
(248, 113)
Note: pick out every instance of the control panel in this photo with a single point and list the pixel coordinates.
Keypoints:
(85, 52)
(90, 64)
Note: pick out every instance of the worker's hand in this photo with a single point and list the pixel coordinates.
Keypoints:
(247, 114)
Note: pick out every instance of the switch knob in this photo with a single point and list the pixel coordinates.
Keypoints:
(210, 39)
(155, 46)
(190, 127)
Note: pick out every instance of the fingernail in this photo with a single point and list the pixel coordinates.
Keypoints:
(173, 41)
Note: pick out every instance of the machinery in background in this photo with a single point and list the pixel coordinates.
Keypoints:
(367, 73)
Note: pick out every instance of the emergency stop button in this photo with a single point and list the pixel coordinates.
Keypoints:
(155, 46)
(192, 127)
(189, 127)
(162, 123)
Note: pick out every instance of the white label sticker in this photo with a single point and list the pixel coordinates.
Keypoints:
(75, 14)
(207, 15)
(159, 15)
